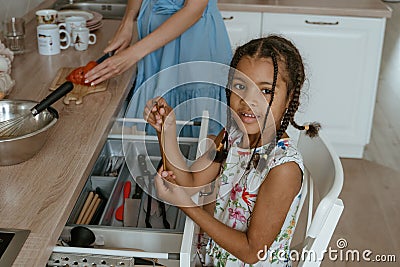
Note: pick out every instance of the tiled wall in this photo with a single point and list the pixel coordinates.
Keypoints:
(16, 8)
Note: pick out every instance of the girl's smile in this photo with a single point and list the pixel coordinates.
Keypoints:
(248, 117)
(251, 93)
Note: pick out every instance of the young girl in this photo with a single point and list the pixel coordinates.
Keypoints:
(258, 171)
(170, 32)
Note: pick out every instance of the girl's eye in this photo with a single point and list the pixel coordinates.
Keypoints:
(239, 86)
(266, 91)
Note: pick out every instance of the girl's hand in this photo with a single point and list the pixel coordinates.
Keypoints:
(169, 191)
(158, 112)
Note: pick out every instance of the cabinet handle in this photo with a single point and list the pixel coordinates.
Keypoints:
(228, 18)
(321, 22)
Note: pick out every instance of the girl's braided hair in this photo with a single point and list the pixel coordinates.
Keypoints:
(285, 55)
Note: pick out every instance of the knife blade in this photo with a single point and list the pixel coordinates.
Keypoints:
(132, 205)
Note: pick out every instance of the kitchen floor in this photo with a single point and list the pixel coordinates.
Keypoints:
(371, 216)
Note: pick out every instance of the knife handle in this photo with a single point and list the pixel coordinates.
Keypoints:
(105, 56)
(127, 189)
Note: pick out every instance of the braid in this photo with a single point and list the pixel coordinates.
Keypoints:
(311, 129)
(293, 107)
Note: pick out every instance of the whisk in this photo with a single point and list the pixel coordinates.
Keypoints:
(14, 127)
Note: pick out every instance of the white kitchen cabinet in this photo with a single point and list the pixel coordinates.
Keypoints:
(242, 26)
(342, 58)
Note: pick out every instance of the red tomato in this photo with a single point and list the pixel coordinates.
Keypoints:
(77, 76)
(90, 66)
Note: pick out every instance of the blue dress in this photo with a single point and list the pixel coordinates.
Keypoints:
(206, 40)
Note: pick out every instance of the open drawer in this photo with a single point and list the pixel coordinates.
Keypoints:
(120, 162)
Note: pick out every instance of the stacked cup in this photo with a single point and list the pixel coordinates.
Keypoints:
(49, 34)
(81, 38)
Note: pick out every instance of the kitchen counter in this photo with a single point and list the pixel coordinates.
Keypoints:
(39, 194)
(357, 8)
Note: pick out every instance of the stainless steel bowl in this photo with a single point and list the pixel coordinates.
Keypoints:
(23, 147)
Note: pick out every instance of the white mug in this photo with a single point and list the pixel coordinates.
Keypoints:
(81, 38)
(48, 36)
(46, 16)
(73, 22)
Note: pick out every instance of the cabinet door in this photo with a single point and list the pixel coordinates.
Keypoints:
(342, 57)
(242, 26)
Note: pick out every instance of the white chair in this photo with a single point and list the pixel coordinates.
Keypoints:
(323, 170)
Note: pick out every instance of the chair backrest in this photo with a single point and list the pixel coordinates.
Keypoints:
(324, 171)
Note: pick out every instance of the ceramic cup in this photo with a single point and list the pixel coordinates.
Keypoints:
(46, 16)
(71, 23)
(81, 38)
(48, 36)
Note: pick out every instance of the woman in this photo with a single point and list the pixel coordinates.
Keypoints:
(170, 32)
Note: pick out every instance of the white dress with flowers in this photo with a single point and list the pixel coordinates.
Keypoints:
(237, 196)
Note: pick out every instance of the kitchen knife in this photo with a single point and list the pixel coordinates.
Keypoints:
(132, 206)
(105, 56)
(77, 76)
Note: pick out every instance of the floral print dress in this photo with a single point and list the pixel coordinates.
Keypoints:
(237, 195)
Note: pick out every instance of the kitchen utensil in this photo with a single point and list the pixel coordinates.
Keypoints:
(85, 206)
(161, 204)
(162, 141)
(79, 91)
(89, 209)
(77, 76)
(132, 205)
(148, 209)
(19, 149)
(163, 214)
(14, 127)
(81, 237)
(103, 201)
(119, 213)
(91, 213)
(114, 165)
(105, 56)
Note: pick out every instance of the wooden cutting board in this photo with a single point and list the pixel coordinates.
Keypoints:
(80, 91)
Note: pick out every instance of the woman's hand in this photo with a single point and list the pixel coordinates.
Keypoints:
(122, 38)
(157, 112)
(169, 191)
(113, 66)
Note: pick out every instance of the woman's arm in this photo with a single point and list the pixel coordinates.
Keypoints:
(274, 199)
(173, 27)
(132, 10)
(123, 37)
